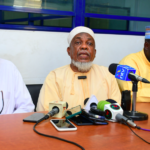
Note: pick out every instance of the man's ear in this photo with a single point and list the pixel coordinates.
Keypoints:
(146, 45)
(68, 50)
(95, 53)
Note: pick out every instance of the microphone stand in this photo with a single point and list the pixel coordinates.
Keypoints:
(135, 115)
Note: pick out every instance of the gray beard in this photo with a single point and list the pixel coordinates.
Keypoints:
(82, 66)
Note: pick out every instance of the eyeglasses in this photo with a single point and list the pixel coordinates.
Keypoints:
(2, 101)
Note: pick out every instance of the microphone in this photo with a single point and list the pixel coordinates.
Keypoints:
(126, 73)
(126, 100)
(111, 109)
(91, 105)
(54, 111)
(111, 101)
(121, 118)
(57, 109)
(114, 113)
(90, 102)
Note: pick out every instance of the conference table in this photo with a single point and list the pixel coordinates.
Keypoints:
(18, 135)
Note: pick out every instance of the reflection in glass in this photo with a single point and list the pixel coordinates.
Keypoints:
(9, 15)
(109, 7)
(108, 24)
(53, 20)
(112, 24)
(66, 5)
(63, 123)
(138, 26)
(138, 8)
(28, 3)
(23, 18)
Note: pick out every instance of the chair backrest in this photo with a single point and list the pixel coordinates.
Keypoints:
(34, 91)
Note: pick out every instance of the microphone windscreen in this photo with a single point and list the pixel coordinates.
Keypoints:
(85, 101)
(101, 105)
(111, 101)
(112, 68)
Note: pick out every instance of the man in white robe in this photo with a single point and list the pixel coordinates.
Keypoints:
(15, 94)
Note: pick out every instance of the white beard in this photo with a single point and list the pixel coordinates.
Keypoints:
(82, 66)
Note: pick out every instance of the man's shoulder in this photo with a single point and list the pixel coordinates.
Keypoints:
(59, 71)
(103, 72)
(6, 63)
(101, 69)
(132, 56)
(95, 66)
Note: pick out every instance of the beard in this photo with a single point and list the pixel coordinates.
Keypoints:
(82, 66)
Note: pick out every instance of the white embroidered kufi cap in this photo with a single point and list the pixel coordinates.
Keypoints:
(78, 30)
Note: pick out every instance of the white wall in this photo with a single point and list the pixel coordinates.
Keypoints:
(36, 53)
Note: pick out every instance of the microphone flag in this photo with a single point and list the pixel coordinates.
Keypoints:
(122, 72)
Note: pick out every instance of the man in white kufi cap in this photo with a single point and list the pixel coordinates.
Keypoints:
(78, 81)
(141, 62)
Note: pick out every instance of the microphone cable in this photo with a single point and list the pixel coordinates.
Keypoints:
(2, 102)
(138, 135)
(50, 136)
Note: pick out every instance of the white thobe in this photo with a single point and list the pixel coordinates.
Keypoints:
(16, 96)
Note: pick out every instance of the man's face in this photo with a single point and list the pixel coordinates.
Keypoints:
(82, 48)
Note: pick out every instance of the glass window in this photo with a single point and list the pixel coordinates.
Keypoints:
(10, 17)
(138, 26)
(66, 5)
(138, 8)
(63, 22)
(52, 20)
(109, 24)
(21, 18)
(112, 24)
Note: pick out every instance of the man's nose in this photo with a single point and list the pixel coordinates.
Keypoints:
(84, 46)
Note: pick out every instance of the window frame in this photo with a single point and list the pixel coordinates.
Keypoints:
(78, 14)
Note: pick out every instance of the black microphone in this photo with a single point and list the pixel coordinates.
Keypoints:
(111, 101)
(131, 75)
(91, 106)
(54, 111)
(57, 109)
(126, 100)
